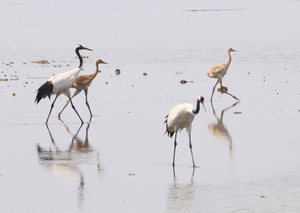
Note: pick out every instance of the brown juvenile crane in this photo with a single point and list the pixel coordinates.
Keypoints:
(219, 71)
(82, 83)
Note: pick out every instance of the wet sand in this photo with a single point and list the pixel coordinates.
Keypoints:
(247, 154)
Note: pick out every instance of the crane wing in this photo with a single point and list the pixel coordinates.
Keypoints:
(216, 70)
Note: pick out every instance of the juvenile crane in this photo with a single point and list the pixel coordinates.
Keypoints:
(181, 116)
(61, 84)
(219, 71)
(82, 83)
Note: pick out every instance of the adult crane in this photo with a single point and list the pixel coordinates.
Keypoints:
(181, 116)
(61, 84)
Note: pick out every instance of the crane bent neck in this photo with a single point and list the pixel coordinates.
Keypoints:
(195, 112)
(80, 58)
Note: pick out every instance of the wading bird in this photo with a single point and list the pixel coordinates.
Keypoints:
(182, 116)
(219, 71)
(82, 83)
(61, 83)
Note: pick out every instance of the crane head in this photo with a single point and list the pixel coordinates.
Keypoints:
(99, 61)
(80, 47)
(231, 50)
(201, 99)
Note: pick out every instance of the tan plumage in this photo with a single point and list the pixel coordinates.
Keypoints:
(219, 71)
(82, 83)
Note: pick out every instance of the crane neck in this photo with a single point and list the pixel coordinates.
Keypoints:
(229, 59)
(80, 58)
(195, 112)
(96, 71)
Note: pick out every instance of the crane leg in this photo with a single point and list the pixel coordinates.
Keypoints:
(175, 144)
(191, 150)
(52, 105)
(75, 110)
(212, 94)
(174, 173)
(63, 109)
(75, 93)
(232, 96)
(86, 101)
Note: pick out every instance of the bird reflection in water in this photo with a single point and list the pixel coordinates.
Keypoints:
(218, 129)
(182, 196)
(67, 163)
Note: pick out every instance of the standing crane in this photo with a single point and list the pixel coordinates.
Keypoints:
(181, 116)
(61, 84)
(219, 71)
(82, 83)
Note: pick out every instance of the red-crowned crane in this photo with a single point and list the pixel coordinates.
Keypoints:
(181, 116)
(61, 83)
(82, 83)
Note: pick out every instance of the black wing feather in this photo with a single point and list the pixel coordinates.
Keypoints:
(170, 134)
(44, 91)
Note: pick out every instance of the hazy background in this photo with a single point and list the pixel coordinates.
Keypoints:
(248, 160)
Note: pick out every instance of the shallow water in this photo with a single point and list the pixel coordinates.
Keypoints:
(247, 155)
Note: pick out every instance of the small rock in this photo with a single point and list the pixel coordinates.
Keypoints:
(117, 71)
(14, 94)
(145, 74)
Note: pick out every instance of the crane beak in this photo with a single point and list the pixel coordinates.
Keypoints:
(203, 106)
(84, 48)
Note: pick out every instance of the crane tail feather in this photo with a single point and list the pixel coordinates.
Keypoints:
(170, 134)
(45, 90)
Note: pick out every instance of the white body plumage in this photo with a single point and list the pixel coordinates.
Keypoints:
(181, 116)
(62, 82)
